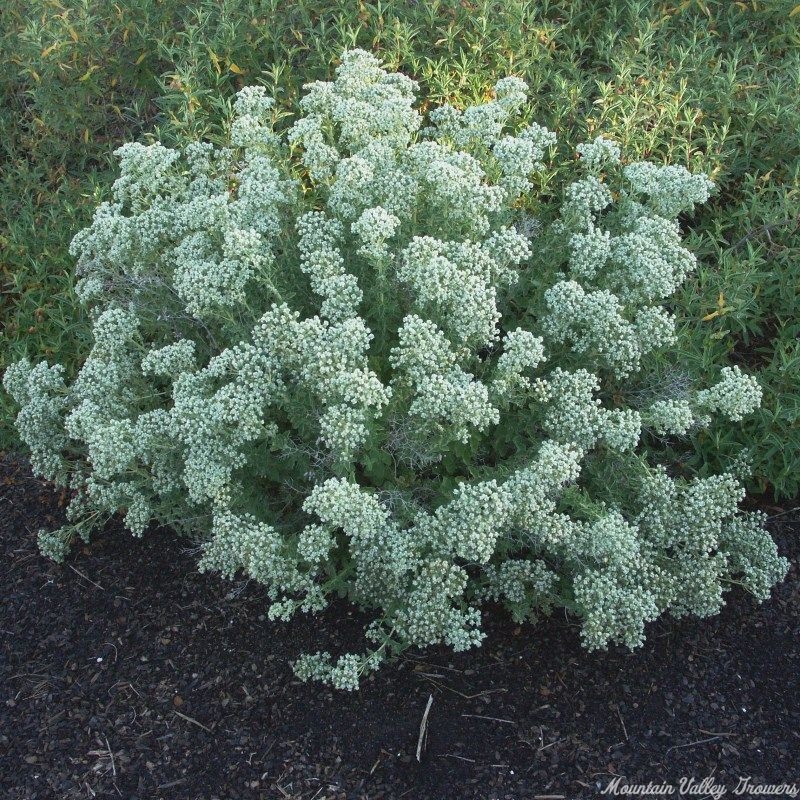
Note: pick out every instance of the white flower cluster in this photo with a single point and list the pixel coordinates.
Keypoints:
(444, 394)
(364, 104)
(174, 221)
(522, 352)
(574, 413)
(454, 185)
(670, 190)
(241, 542)
(648, 263)
(585, 199)
(471, 523)
(453, 282)
(655, 328)
(336, 389)
(521, 582)
(251, 126)
(696, 528)
(616, 603)
(431, 612)
(519, 157)
(375, 227)
(321, 260)
(751, 553)
(734, 396)
(384, 556)
(593, 322)
(598, 155)
(41, 394)
(456, 401)
(630, 248)
(506, 248)
(344, 674)
(622, 429)
(216, 411)
(170, 360)
(422, 350)
(482, 123)
(327, 362)
(590, 250)
(670, 417)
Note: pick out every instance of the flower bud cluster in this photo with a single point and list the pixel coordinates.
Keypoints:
(483, 123)
(375, 227)
(322, 261)
(594, 323)
(667, 417)
(364, 103)
(453, 287)
(522, 352)
(670, 189)
(734, 396)
(598, 155)
(41, 394)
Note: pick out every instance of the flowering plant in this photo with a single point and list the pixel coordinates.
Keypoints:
(349, 359)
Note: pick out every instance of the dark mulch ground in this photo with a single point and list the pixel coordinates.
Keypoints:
(125, 673)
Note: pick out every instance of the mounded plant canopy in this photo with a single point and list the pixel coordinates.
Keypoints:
(364, 358)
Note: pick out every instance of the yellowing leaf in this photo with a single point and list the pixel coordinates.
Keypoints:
(141, 58)
(86, 75)
(794, 11)
(46, 52)
(73, 34)
(721, 309)
(235, 69)
(215, 61)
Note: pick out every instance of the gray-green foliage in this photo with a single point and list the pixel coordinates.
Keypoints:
(348, 360)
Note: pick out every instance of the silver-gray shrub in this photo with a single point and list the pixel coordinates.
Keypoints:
(353, 359)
